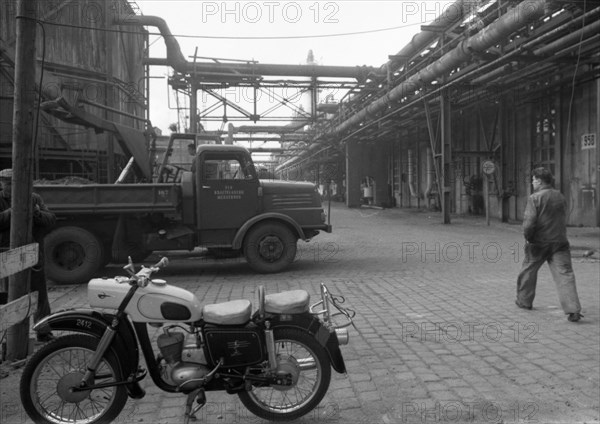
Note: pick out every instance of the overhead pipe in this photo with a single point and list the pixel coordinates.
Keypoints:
(174, 56)
(177, 61)
(505, 25)
(583, 33)
(252, 69)
(451, 14)
(551, 48)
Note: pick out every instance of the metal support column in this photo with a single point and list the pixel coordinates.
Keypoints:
(193, 107)
(597, 153)
(446, 144)
(433, 142)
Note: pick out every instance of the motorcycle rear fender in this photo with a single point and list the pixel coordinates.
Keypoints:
(310, 324)
(93, 323)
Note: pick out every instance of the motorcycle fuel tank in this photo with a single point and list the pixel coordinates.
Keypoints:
(153, 303)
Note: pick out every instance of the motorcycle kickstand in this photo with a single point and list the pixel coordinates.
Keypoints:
(200, 396)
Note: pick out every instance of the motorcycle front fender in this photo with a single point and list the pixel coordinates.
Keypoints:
(94, 323)
(326, 338)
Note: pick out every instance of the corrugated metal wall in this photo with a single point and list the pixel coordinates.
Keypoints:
(89, 62)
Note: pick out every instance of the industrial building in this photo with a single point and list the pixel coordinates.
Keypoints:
(454, 121)
(86, 61)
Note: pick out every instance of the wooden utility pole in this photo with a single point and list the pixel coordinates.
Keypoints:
(22, 163)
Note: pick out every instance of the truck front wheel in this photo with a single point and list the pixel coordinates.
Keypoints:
(72, 255)
(270, 247)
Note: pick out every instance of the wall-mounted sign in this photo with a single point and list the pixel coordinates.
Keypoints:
(588, 141)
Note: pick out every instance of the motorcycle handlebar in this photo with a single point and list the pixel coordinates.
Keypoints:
(142, 277)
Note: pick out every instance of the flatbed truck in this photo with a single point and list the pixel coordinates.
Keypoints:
(221, 204)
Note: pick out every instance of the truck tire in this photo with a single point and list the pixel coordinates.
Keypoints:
(270, 247)
(72, 255)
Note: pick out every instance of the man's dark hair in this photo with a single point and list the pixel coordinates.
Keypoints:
(544, 175)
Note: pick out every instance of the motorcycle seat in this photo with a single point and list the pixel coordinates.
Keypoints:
(235, 312)
(287, 302)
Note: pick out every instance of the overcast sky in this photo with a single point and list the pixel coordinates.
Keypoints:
(349, 33)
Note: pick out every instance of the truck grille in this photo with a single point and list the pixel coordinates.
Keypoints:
(292, 200)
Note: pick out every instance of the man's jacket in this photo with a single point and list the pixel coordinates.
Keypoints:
(43, 220)
(545, 219)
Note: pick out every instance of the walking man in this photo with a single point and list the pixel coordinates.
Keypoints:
(43, 220)
(545, 231)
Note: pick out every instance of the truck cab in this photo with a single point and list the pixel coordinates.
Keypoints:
(235, 211)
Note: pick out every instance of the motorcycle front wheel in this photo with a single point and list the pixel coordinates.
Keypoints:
(53, 370)
(301, 355)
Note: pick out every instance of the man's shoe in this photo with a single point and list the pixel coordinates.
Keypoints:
(574, 317)
(520, 305)
(45, 337)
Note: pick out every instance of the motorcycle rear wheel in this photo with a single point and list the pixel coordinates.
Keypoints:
(300, 354)
(61, 364)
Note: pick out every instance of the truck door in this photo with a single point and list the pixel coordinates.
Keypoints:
(227, 195)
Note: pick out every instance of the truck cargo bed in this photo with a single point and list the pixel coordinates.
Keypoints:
(110, 198)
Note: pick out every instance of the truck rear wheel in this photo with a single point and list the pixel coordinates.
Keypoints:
(270, 247)
(72, 255)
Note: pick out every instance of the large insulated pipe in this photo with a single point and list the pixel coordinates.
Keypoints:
(252, 69)
(568, 40)
(174, 56)
(514, 19)
(451, 14)
(177, 61)
(508, 23)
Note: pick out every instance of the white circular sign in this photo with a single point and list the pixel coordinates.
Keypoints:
(488, 167)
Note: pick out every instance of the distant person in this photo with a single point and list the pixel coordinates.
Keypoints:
(192, 153)
(265, 174)
(43, 220)
(545, 230)
(192, 149)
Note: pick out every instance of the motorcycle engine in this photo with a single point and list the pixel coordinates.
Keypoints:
(181, 366)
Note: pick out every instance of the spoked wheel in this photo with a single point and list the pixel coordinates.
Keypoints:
(50, 374)
(301, 356)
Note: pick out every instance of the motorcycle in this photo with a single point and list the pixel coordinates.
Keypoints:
(277, 360)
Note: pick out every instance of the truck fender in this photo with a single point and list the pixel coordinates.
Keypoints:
(314, 327)
(274, 216)
(93, 323)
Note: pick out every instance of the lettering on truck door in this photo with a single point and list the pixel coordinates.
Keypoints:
(228, 192)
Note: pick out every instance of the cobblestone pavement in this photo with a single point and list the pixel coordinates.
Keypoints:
(438, 339)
